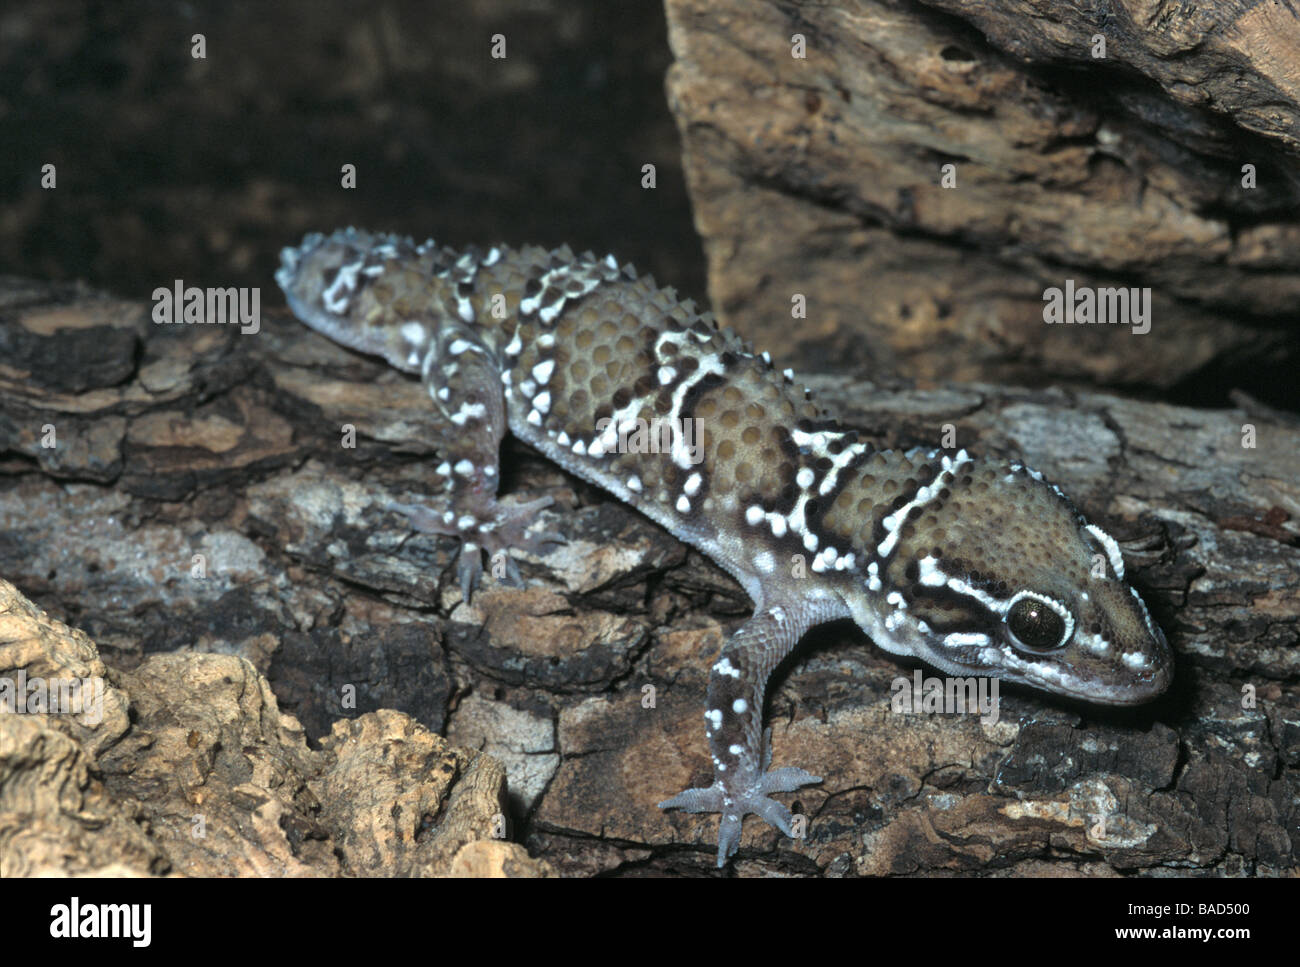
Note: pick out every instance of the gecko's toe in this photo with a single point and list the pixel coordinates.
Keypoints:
(703, 799)
(423, 519)
(787, 779)
(469, 569)
(511, 523)
(512, 575)
(729, 837)
(544, 538)
(771, 812)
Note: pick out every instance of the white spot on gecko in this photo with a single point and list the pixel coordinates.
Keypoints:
(469, 411)
(335, 300)
(725, 667)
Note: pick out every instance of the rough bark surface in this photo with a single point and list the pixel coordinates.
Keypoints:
(195, 501)
(186, 766)
(820, 176)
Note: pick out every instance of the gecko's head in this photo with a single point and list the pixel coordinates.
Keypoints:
(1004, 577)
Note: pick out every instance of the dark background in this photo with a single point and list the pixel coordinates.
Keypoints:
(171, 167)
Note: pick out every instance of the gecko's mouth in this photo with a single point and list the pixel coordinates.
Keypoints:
(1134, 691)
(1120, 695)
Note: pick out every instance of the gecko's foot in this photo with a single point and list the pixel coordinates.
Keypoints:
(500, 529)
(735, 805)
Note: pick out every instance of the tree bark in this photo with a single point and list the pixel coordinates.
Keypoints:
(921, 174)
(197, 490)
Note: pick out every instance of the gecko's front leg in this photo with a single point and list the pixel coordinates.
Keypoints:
(741, 751)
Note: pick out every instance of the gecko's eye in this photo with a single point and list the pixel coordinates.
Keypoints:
(1037, 623)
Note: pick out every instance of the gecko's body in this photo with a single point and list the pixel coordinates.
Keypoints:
(976, 566)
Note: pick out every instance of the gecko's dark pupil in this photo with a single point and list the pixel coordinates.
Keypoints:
(1035, 624)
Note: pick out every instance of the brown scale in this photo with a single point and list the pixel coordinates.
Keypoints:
(745, 422)
(1013, 528)
(605, 359)
(996, 534)
(877, 487)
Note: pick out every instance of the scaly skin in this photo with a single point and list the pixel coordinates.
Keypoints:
(976, 566)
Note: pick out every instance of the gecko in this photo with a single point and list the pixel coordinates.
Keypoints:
(975, 565)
